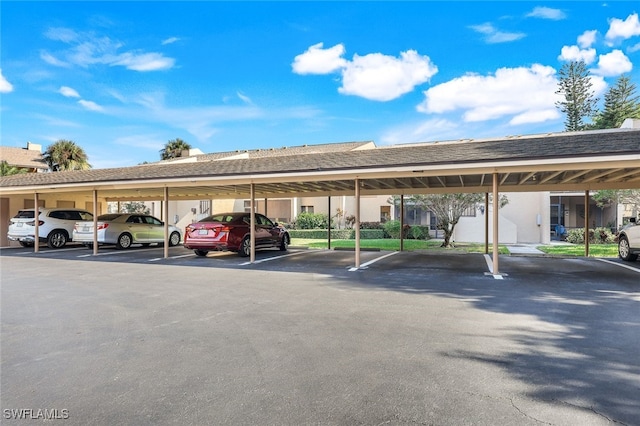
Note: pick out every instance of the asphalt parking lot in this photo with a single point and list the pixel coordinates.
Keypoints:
(129, 337)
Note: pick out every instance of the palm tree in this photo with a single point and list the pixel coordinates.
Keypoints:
(66, 155)
(173, 149)
(7, 170)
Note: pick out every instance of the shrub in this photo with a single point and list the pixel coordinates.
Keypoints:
(392, 228)
(596, 236)
(311, 221)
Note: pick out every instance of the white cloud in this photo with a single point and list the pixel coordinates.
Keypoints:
(52, 60)
(493, 35)
(316, 60)
(64, 35)
(547, 13)
(5, 86)
(144, 61)
(90, 105)
(587, 38)
(633, 48)
(374, 76)
(68, 92)
(613, 64)
(170, 40)
(429, 130)
(574, 53)
(245, 98)
(623, 29)
(86, 49)
(526, 94)
(382, 78)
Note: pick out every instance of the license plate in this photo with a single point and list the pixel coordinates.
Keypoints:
(19, 224)
(85, 229)
(203, 231)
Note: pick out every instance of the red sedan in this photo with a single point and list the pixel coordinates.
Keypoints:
(231, 231)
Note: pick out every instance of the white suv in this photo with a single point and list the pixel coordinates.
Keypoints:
(629, 241)
(55, 226)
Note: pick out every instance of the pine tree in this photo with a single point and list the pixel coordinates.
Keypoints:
(619, 104)
(579, 101)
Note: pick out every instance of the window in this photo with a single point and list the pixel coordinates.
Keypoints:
(306, 209)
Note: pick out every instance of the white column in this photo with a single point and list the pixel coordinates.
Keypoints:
(253, 224)
(165, 213)
(357, 223)
(496, 249)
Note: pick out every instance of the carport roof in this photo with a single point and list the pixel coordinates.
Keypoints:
(605, 159)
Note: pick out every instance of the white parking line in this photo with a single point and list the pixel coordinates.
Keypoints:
(364, 265)
(113, 253)
(172, 257)
(489, 261)
(274, 258)
(622, 265)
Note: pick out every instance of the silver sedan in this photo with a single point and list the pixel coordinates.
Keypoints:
(125, 229)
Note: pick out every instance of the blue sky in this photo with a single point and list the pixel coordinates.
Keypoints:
(123, 78)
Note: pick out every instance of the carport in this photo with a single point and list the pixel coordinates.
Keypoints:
(576, 161)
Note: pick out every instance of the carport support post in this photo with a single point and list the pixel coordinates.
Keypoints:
(586, 223)
(252, 231)
(357, 223)
(36, 223)
(165, 213)
(495, 224)
(401, 222)
(95, 220)
(486, 223)
(329, 223)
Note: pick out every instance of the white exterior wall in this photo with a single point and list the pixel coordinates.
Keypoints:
(524, 220)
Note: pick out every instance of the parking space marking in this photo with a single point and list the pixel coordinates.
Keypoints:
(273, 258)
(172, 257)
(489, 261)
(631, 268)
(364, 265)
(110, 253)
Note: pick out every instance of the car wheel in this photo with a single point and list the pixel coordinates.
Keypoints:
(284, 243)
(124, 241)
(245, 247)
(57, 239)
(26, 244)
(200, 252)
(174, 239)
(624, 250)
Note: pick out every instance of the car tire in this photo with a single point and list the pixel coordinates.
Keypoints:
(174, 239)
(624, 250)
(124, 241)
(57, 239)
(201, 253)
(284, 243)
(245, 247)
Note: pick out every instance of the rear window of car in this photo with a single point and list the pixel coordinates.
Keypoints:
(224, 218)
(24, 214)
(110, 216)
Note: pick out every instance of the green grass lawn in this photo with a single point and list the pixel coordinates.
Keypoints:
(595, 250)
(391, 244)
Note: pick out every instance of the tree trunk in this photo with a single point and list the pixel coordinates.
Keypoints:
(447, 238)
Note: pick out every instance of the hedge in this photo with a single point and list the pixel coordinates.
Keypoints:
(337, 234)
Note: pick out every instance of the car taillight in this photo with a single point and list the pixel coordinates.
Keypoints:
(103, 226)
(33, 223)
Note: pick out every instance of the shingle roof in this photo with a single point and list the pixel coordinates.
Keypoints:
(561, 147)
(23, 158)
